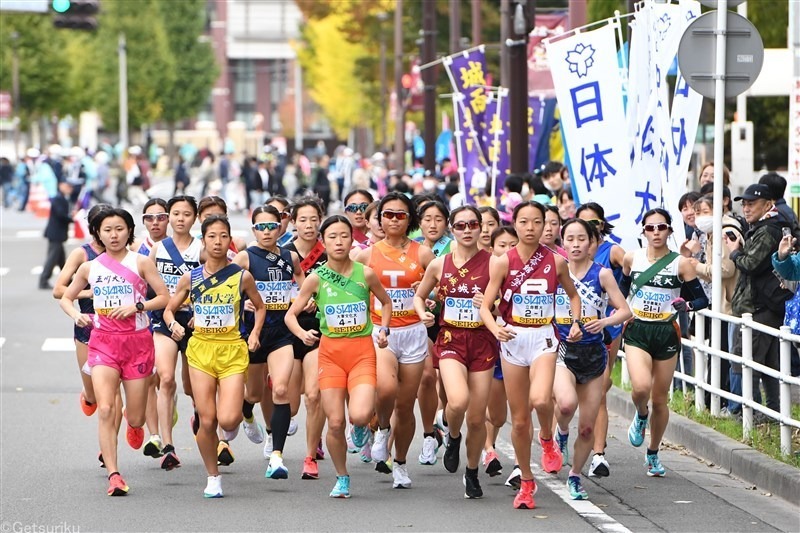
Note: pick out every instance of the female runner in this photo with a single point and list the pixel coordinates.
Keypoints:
(355, 206)
(490, 221)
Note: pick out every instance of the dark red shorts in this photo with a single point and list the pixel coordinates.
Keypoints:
(476, 349)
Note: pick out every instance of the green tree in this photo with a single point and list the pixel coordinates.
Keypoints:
(195, 69)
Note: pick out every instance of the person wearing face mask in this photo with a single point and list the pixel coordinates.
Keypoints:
(552, 177)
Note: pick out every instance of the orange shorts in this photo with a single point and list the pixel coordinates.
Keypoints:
(345, 362)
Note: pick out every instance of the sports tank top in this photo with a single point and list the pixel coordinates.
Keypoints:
(146, 247)
(306, 265)
(86, 305)
(343, 303)
(457, 288)
(170, 272)
(111, 291)
(273, 274)
(652, 302)
(594, 302)
(527, 296)
(397, 271)
(218, 310)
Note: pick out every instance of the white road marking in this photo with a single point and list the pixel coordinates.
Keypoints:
(37, 270)
(30, 234)
(58, 344)
(4, 271)
(585, 509)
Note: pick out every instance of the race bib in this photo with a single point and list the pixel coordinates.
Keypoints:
(652, 305)
(346, 318)
(211, 318)
(106, 298)
(276, 295)
(461, 313)
(532, 309)
(402, 302)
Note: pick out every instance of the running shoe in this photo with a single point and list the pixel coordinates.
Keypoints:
(342, 487)
(366, 451)
(253, 430)
(292, 427)
(385, 467)
(551, 456)
(153, 447)
(100, 458)
(575, 488)
(654, 466)
(380, 448)
(276, 470)
(268, 446)
(213, 487)
(170, 459)
(428, 454)
(117, 485)
(348, 437)
(515, 478)
(310, 469)
(524, 497)
(563, 446)
(599, 466)
(437, 433)
(452, 453)
(230, 435)
(194, 422)
(87, 408)
(400, 477)
(320, 452)
(359, 435)
(224, 454)
(492, 464)
(636, 430)
(134, 436)
(472, 487)
(438, 422)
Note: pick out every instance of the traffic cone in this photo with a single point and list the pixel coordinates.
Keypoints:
(79, 221)
(38, 202)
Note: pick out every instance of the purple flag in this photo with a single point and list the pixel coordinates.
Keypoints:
(467, 72)
(472, 166)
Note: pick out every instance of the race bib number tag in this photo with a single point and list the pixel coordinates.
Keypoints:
(651, 305)
(402, 302)
(346, 318)
(214, 318)
(461, 313)
(106, 298)
(532, 309)
(276, 295)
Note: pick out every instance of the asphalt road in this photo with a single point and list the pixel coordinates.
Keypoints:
(50, 479)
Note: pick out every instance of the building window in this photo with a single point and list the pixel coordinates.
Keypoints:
(244, 90)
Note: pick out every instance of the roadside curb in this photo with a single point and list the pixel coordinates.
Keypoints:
(739, 459)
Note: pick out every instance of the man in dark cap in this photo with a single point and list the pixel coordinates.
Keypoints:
(758, 291)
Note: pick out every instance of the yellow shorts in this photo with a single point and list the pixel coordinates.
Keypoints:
(218, 359)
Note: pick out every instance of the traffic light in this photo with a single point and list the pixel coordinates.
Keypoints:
(75, 14)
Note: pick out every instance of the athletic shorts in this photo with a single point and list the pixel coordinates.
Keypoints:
(345, 362)
(585, 361)
(181, 317)
(131, 353)
(476, 349)
(529, 344)
(272, 339)
(433, 331)
(409, 344)
(498, 368)
(82, 334)
(306, 321)
(612, 332)
(662, 340)
(218, 359)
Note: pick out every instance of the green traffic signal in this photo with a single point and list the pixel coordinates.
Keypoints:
(61, 6)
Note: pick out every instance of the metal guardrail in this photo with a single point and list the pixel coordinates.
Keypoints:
(700, 381)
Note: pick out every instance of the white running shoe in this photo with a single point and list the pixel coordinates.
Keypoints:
(253, 430)
(599, 466)
(514, 479)
(230, 435)
(267, 446)
(428, 454)
(292, 427)
(400, 477)
(213, 487)
(380, 447)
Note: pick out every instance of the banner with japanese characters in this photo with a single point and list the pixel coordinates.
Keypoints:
(473, 169)
(546, 25)
(496, 139)
(467, 73)
(588, 87)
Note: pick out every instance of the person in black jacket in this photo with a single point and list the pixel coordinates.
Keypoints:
(56, 233)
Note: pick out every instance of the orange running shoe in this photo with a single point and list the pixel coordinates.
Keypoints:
(117, 485)
(310, 468)
(134, 436)
(524, 498)
(552, 460)
(87, 408)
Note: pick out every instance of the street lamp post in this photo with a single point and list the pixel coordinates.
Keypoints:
(15, 91)
(382, 17)
(399, 140)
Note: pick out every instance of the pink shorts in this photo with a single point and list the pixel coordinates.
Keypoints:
(132, 354)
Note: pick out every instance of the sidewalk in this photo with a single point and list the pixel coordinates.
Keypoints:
(737, 458)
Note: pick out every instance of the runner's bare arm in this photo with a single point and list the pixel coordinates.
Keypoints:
(432, 276)
(567, 284)
(67, 302)
(153, 278)
(175, 302)
(380, 294)
(309, 287)
(498, 269)
(250, 290)
(76, 258)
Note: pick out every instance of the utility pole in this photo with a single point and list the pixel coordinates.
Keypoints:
(429, 79)
(505, 33)
(517, 49)
(399, 119)
(15, 107)
(298, 106)
(477, 38)
(455, 26)
(123, 92)
(382, 16)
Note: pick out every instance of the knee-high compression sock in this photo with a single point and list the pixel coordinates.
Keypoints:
(281, 416)
(247, 409)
